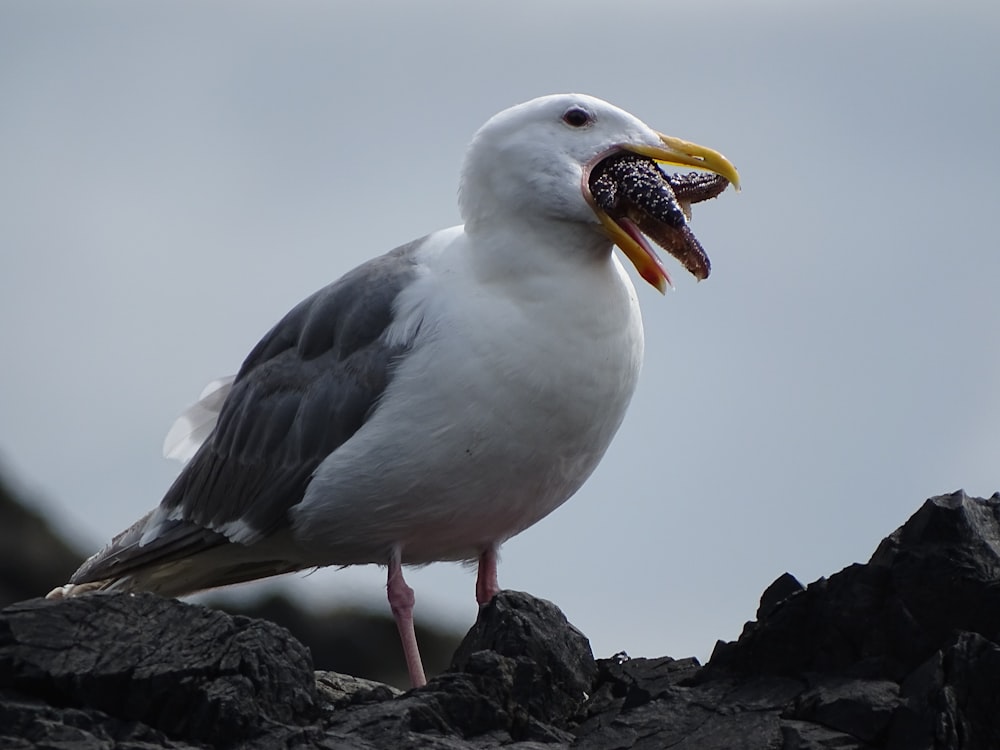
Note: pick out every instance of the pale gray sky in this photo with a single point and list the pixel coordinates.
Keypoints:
(175, 176)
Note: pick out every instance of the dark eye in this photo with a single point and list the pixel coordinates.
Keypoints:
(576, 117)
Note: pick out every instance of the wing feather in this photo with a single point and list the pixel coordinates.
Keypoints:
(304, 390)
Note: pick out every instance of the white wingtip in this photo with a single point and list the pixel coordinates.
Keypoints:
(194, 426)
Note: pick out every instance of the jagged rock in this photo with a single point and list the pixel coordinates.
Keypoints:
(189, 672)
(901, 653)
(554, 666)
(935, 575)
(783, 587)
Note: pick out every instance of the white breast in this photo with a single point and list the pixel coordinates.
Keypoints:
(507, 401)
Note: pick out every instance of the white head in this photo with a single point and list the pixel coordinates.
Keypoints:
(531, 157)
(532, 160)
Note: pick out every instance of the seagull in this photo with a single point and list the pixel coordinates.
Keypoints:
(441, 398)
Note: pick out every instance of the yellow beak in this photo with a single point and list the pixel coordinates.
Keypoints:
(682, 153)
(676, 152)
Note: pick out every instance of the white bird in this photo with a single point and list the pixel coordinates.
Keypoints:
(443, 397)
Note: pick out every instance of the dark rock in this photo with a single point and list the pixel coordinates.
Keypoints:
(554, 667)
(862, 707)
(953, 700)
(901, 654)
(783, 587)
(799, 735)
(944, 566)
(190, 672)
(938, 573)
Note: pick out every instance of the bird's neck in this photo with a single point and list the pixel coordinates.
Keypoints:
(515, 246)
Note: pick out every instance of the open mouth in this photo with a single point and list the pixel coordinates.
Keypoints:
(634, 199)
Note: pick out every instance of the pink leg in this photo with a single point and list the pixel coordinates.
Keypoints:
(486, 582)
(401, 601)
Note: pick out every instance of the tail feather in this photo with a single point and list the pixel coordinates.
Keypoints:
(175, 557)
(152, 541)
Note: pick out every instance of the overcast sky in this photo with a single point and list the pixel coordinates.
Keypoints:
(175, 176)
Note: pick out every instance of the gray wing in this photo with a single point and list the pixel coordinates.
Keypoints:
(304, 390)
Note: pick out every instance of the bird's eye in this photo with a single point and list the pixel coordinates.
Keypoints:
(576, 117)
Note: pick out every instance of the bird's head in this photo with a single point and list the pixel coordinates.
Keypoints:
(544, 159)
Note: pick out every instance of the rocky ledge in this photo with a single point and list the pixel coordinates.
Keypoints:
(901, 653)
